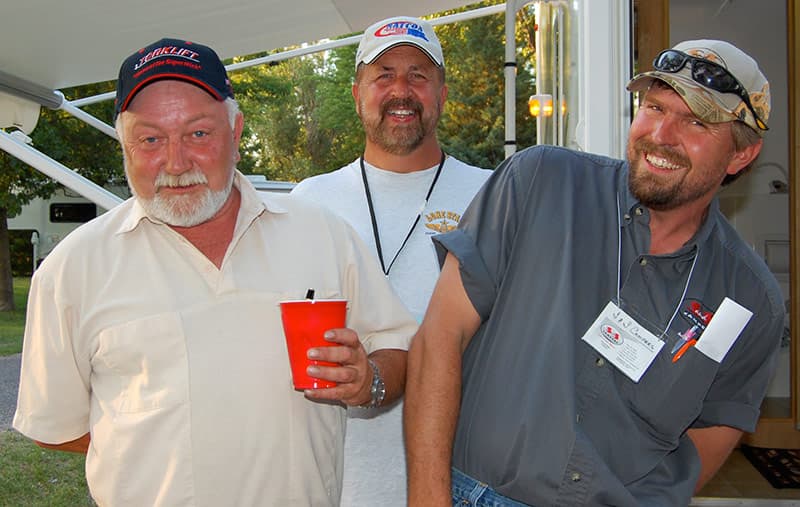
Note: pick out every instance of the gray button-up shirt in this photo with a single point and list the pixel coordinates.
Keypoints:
(544, 418)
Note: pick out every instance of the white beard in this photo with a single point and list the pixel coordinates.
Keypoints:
(185, 210)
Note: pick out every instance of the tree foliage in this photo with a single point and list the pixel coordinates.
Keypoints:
(300, 118)
(472, 127)
(68, 141)
(299, 115)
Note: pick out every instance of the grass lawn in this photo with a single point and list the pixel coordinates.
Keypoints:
(30, 475)
(33, 476)
(12, 324)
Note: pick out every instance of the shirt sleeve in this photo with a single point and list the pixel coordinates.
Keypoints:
(53, 402)
(303, 189)
(484, 239)
(735, 396)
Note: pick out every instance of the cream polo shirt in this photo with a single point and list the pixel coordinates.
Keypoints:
(179, 370)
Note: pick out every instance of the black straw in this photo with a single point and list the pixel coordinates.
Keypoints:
(310, 294)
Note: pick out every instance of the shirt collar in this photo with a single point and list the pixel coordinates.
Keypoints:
(254, 203)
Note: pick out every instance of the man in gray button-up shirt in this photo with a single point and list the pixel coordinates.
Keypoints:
(600, 334)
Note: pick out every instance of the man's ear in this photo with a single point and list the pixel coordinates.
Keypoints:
(742, 158)
(238, 127)
(354, 91)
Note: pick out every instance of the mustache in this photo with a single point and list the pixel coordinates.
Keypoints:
(670, 154)
(193, 177)
(406, 103)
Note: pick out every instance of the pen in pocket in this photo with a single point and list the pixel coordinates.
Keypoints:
(685, 337)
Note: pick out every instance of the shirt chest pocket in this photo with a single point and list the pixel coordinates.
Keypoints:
(142, 365)
(670, 395)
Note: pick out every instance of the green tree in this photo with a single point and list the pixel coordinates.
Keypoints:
(257, 90)
(336, 110)
(299, 116)
(304, 121)
(472, 127)
(19, 184)
(67, 140)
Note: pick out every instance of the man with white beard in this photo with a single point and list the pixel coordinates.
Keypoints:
(153, 341)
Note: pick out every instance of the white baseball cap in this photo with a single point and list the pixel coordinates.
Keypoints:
(402, 30)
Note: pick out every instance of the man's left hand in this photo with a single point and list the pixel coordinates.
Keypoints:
(353, 376)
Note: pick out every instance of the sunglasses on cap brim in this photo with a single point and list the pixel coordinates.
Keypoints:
(707, 73)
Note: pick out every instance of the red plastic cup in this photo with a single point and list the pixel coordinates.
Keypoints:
(304, 324)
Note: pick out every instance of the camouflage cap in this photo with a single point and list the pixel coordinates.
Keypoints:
(706, 103)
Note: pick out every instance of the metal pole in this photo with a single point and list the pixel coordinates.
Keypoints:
(510, 73)
(59, 172)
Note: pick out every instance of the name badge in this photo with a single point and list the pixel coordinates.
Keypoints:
(623, 341)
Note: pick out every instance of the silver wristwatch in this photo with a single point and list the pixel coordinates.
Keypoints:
(378, 389)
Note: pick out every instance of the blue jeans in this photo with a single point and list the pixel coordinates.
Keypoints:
(467, 491)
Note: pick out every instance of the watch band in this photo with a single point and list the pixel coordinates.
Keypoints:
(378, 388)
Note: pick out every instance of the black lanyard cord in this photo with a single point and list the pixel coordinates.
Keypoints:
(375, 233)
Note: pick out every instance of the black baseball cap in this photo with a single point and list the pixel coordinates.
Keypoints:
(171, 59)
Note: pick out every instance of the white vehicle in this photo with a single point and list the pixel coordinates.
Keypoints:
(47, 221)
(586, 51)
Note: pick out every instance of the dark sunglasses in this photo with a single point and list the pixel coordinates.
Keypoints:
(708, 74)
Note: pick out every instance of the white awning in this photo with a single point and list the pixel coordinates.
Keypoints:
(52, 44)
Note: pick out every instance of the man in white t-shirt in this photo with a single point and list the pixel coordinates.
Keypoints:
(403, 190)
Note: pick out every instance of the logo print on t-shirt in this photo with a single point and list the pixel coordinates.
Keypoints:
(442, 221)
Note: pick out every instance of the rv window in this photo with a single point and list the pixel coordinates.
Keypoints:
(78, 212)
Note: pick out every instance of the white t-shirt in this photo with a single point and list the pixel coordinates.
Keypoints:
(180, 369)
(375, 469)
